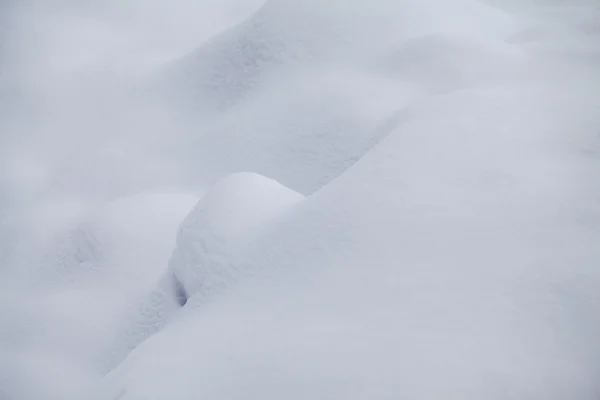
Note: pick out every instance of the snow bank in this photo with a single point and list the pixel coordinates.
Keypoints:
(451, 261)
(302, 131)
(212, 239)
(448, 247)
(284, 34)
(300, 91)
(211, 246)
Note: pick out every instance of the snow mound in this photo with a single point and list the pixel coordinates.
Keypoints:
(211, 246)
(302, 131)
(212, 239)
(300, 91)
(449, 262)
(286, 35)
(448, 248)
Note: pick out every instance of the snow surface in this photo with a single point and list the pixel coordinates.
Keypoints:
(212, 238)
(211, 245)
(420, 218)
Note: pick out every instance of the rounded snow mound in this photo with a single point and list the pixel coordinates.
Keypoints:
(296, 92)
(286, 34)
(210, 246)
(213, 237)
(302, 132)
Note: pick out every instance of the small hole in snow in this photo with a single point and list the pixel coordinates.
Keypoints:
(180, 293)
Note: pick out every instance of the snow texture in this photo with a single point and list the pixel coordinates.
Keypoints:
(419, 219)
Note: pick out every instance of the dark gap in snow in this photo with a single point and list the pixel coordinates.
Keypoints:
(180, 294)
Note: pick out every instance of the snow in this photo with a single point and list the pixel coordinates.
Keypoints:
(466, 268)
(211, 243)
(419, 218)
(211, 239)
(73, 284)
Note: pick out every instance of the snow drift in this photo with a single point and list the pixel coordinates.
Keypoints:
(425, 262)
(72, 286)
(211, 245)
(319, 60)
(446, 246)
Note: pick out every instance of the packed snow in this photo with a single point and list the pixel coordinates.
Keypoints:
(238, 199)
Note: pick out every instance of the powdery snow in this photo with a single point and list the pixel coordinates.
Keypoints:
(427, 270)
(212, 239)
(211, 245)
(73, 287)
(419, 218)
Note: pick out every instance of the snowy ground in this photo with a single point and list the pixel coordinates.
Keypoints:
(240, 199)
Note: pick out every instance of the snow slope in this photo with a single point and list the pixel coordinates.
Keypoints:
(456, 259)
(283, 34)
(419, 218)
(317, 59)
(227, 219)
(211, 245)
(449, 262)
(71, 288)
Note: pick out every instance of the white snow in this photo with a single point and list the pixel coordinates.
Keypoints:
(70, 288)
(212, 238)
(419, 219)
(211, 245)
(467, 269)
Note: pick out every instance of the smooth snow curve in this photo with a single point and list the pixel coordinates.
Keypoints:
(209, 258)
(424, 262)
(230, 217)
(420, 218)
